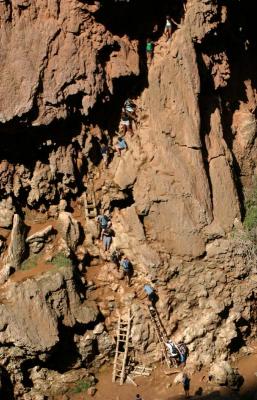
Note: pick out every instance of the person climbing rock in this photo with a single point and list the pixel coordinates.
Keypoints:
(168, 28)
(106, 237)
(120, 145)
(152, 296)
(186, 385)
(130, 109)
(173, 350)
(126, 266)
(104, 221)
(155, 33)
(138, 397)
(105, 153)
(126, 123)
(149, 51)
(183, 353)
(116, 257)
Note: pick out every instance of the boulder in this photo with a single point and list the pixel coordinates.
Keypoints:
(223, 374)
(53, 383)
(37, 241)
(70, 229)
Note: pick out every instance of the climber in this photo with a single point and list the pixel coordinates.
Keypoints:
(126, 123)
(103, 221)
(173, 350)
(127, 268)
(105, 153)
(120, 145)
(116, 257)
(149, 51)
(130, 109)
(183, 353)
(152, 296)
(155, 32)
(168, 28)
(138, 397)
(106, 237)
(178, 351)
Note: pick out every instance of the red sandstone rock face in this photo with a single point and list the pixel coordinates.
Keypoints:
(51, 51)
(176, 184)
(181, 170)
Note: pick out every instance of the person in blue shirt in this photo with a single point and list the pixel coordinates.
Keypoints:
(126, 266)
(121, 145)
(104, 221)
(152, 296)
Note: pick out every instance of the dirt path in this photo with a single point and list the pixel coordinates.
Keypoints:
(159, 386)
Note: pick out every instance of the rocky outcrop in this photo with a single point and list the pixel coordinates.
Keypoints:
(58, 35)
(37, 241)
(223, 374)
(34, 315)
(6, 213)
(17, 246)
(70, 230)
(174, 196)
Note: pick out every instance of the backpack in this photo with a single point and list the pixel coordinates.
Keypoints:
(182, 349)
(125, 265)
(108, 232)
(103, 220)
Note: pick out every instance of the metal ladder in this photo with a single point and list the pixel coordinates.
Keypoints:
(120, 359)
(161, 334)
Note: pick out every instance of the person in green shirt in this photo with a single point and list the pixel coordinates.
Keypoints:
(149, 51)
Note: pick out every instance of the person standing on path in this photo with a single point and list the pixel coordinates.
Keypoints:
(186, 385)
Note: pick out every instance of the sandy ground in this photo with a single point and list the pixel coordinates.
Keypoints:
(159, 386)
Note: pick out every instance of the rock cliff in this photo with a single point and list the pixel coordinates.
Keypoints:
(176, 197)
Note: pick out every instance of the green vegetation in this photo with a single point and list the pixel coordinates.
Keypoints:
(61, 261)
(30, 263)
(250, 221)
(81, 386)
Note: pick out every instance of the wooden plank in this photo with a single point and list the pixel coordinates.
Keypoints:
(131, 380)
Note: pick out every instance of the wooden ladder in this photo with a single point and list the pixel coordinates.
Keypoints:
(161, 334)
(120, 359)
(89, 199)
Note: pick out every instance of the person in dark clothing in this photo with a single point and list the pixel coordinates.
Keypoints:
(116, 257)
(105, 153)
(186, 385)
(152, 296)
(138, 397)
